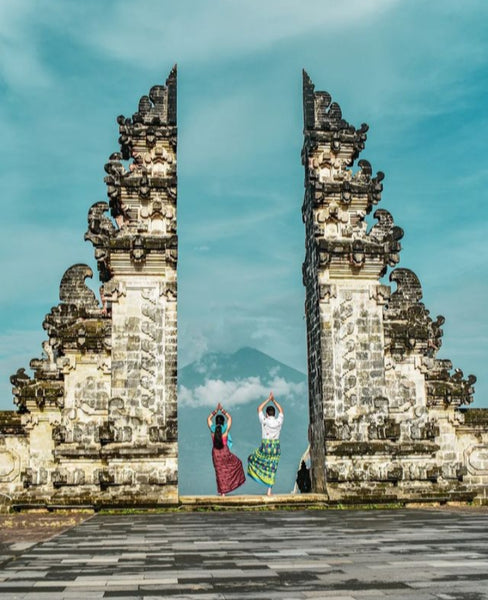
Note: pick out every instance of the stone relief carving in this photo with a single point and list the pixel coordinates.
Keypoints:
(373, 376)
(9, 465)
(72, 402)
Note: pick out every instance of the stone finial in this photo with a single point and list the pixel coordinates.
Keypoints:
(408, 325)
(338, 198)
(445, 389)
(100, 231)
(77, 322)
(73, 289)
(409, 329)
(323, 120)
(20, 382)
(321, 113)
(142, 194)
(156, 110)
(160, 105)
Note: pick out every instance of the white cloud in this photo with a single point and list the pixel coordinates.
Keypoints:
(20, 63)
(195, 347)
(240, 391)
(198, 30)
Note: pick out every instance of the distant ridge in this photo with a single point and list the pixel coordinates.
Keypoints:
(245, 362)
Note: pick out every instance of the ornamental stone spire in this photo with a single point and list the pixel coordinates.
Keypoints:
(384, 410)
(98, 421)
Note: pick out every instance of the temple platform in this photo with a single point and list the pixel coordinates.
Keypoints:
(245, 502)
(249, 555)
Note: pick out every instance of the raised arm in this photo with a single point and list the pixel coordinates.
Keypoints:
(211, 416)
(263, 404)
(276, 403)
(228, 417)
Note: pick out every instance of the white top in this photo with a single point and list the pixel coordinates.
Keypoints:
(270, 426)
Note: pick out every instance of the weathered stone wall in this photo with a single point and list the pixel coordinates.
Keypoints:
(14, 453)
(97, 424)
(387, 407)
(319, 349)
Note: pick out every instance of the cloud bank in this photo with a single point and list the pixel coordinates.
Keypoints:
(239, 391)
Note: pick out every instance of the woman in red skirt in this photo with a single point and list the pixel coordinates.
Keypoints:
(228, 468)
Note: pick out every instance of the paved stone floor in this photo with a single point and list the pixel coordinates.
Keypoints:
(335, 555)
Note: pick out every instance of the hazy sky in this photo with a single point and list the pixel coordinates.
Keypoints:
(415, 71)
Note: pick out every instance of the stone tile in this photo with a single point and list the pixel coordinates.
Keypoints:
(380, 555)
(20, 546)
(325, 595)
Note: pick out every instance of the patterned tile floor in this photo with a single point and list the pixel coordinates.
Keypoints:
(334, 555)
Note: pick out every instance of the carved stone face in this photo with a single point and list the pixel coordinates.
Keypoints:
(138, 255)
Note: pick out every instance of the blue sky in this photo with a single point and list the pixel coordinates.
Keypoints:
(415, 71)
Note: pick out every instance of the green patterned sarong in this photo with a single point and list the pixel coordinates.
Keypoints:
(262, 464)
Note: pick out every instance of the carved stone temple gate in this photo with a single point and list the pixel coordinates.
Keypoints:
(385, 417)
(97, 422)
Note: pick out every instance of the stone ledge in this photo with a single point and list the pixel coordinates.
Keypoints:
(255, 502)
(382, 447)
(475, 417)
(11, 423)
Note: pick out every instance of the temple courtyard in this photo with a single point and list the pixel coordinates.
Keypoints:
(230, 553)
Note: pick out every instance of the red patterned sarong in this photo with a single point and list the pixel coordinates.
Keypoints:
(228, 470)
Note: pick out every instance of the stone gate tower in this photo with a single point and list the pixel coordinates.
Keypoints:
(98, 421)
(384, 411)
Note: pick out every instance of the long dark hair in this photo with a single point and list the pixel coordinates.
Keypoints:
(217, 438)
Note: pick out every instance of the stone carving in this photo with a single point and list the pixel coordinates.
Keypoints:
(407, 321)
(9, 463)
(446, 389)
(477, 458)
(410, 329)
(100, 231)
(377, 391)
(104, 392)
(339, 199)
(73, 289)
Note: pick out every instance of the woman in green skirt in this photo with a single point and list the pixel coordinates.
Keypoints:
(262, 464)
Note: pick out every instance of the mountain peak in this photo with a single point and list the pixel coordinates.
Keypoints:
(249, 351)
(243, 363)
